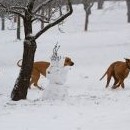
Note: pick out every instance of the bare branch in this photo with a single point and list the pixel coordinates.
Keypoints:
(11, 10)
(2, 5)
(18, 8)
(41, 5)
(40, 19)
(30, 5)
(41, 16)
(92, 3)
(15, 12)
(60, 19)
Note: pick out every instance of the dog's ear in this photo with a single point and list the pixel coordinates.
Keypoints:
(127, 60)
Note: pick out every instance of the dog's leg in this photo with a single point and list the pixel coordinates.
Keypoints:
(122, 85)
(35, 84)
(114, 86)
(39, 87)
(108, 80)
(121, 82)
(35, 81)
(115, 82)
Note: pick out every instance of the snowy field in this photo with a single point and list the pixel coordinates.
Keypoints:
(82, 103)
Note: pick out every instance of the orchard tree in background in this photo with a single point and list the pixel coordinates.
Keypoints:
(29, 13)
(128, 10)
(87, 7)
(2, 22)
(100, 4)
(4, 14)
(18, 27)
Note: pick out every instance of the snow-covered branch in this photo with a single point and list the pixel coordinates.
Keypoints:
(40, 19)
(18, 8)
(12, 9)
(60, 19)
(41, 5)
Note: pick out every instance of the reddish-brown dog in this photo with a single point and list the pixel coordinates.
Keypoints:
(40, 67)
(119, 71)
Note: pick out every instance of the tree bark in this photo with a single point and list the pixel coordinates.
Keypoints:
(87, 7)
(27, 27)
(15, 18)
(23, 81)
(18, 27)
(42, 23)
(86, 21)
(128, 10)
(100, 4)
(2, 22)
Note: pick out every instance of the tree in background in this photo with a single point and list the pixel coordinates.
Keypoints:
(87, 7)
(2, 15)
(18, 27)
(100, 4)
(2, 22)
(10, 15)
(29, 14)
(128, 10)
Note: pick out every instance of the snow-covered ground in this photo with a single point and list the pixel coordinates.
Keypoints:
(82, 103)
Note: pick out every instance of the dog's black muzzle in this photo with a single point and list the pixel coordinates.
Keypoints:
(72, 63)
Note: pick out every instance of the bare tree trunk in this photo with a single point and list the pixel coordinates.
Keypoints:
(2, 22)
(18, 27)
(23, 81)
(27, 26)
(42, 23)
(100, 4)
(15, 18)
(128, 10)
(87, 7)
(86, 21)
(49, 11)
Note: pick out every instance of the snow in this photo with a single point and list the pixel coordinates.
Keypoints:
(82, 103)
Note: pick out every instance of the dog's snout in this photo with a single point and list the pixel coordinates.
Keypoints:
(72, 63)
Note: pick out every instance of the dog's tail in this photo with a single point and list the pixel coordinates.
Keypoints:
(103, 75)
(18, 63)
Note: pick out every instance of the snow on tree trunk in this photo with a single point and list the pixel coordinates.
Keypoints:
(23, 81)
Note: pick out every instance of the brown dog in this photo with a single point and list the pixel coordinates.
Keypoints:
(119, 71)
(40, 67)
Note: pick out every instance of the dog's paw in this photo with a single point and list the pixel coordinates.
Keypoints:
(114, 87)
(41, 88)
